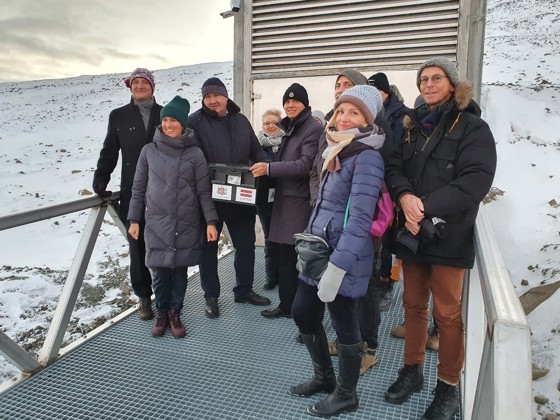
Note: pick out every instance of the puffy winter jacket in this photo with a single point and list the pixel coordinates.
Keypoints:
(451, 170)
(358, 180)
(227, 139)
(172, 184)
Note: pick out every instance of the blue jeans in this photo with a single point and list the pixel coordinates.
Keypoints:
(170, 286)
(240, 221)
(308, 312)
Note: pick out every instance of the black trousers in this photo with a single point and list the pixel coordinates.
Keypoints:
(308, 312)
(140, 277)
(240, 220)
(287, 275)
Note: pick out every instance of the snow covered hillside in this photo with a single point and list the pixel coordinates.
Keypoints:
(51, 133)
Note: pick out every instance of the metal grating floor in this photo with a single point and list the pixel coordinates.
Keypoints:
(238, 366)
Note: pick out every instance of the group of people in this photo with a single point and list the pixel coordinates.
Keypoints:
(437, 160)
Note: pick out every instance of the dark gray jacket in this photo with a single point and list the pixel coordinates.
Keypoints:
(172, 184)
(227, 139)
(291, 210)
(125, 133)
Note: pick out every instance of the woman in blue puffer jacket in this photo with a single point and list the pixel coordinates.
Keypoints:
(352, 175)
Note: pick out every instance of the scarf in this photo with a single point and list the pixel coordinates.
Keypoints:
(342, 144)
(145, 108)
(271, 141)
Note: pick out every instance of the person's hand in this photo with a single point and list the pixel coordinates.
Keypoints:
(100, 189)
(134, 230)
(211, 233)
(412, 227)
(259, 169)
(412, 207)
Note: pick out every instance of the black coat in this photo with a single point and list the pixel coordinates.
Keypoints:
(395, 111)
(291, 210)
(228, 139)
(451, 170)
(125, 133)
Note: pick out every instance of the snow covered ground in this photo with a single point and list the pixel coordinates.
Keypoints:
(51, 132)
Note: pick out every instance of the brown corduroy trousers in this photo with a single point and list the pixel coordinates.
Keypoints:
(445, 284)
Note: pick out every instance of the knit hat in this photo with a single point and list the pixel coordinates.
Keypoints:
(214, 85)
(320, 115)
(443, 63)
(380, 81)
(297, 92)
(354, 76)
(142, 73)
(177, 108)
(366, 98)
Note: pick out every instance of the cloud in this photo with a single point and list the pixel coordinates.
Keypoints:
(62, 38)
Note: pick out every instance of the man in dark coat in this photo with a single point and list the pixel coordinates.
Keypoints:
(438, 175)
(130, 128)
(226, 136)
(291, 210)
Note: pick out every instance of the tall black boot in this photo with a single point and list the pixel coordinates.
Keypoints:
(323, 373)
(344, 397)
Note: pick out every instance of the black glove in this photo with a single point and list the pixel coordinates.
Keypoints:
(100, 189)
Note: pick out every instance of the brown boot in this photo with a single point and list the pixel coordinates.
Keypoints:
(145, 309)
(159, 327)
(433, 340)
(177, 328)
(398, 331)
(369, 359)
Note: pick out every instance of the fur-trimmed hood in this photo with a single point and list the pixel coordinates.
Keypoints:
(463, 101)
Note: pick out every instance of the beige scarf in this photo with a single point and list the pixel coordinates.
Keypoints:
(336, 142)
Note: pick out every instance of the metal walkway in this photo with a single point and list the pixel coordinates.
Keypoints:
(238, 366)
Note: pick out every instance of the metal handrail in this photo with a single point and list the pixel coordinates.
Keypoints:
(503, 378)
(61, 318)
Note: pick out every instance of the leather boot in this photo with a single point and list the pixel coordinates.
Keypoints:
(323, 373)
(410, 380)
(344, 398)
(445, 403)
(159, 327)
(178, 330)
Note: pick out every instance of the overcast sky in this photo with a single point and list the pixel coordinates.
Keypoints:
(42, 39)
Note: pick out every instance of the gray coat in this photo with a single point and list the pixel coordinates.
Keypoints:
(173, 184)
(291, 210)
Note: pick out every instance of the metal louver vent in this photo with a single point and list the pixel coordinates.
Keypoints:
(299, 37)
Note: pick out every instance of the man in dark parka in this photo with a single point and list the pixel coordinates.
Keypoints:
(130, 128)
(225, 135)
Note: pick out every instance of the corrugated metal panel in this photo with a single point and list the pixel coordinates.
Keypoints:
(290, 37)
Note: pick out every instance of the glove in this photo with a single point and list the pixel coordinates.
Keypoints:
(330, 283)
(100, 189)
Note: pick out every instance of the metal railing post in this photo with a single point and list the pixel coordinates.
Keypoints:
(72, 286)
(16, 355)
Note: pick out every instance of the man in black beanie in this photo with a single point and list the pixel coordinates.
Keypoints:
(226, 136)
(130, 128)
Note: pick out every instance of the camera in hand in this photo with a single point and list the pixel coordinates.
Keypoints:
(430, 228)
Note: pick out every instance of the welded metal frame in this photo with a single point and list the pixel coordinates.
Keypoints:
(53, 341)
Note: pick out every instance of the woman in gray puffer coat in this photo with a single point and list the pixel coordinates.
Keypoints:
(172, 184)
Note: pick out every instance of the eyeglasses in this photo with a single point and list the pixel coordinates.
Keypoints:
(270, 123)
(436, 79)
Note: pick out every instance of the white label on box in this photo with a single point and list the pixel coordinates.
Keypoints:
(271, 195)
(221, 192)
(234, 179)
(246, 195)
